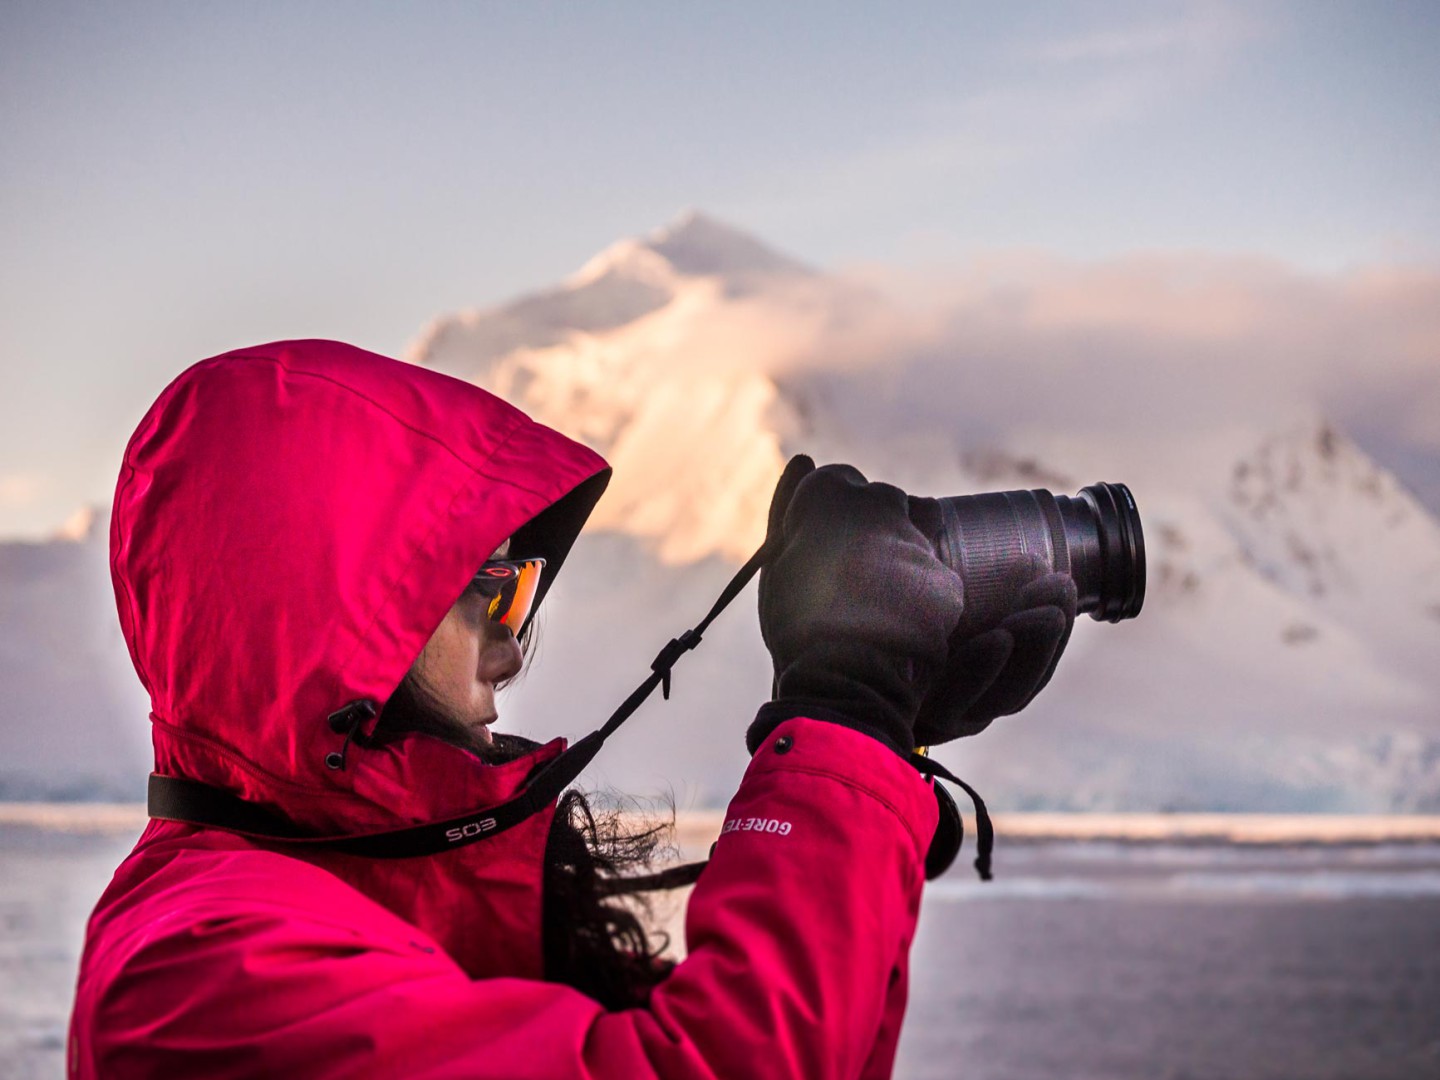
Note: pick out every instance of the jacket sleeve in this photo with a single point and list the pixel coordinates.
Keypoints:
(798, 935)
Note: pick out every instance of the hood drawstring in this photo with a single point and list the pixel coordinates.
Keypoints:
(348, 720)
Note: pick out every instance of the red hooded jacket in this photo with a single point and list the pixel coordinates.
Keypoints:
(291, 523)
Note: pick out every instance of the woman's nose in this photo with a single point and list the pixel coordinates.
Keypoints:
(501, 657)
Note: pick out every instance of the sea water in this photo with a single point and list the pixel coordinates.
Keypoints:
(1117, 961)
(1085, 958)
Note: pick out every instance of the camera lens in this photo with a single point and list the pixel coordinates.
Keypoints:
(1094, 537)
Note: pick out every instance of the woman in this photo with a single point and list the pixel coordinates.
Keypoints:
(292, 527)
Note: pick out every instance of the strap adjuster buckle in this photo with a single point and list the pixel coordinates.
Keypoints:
(672, 652)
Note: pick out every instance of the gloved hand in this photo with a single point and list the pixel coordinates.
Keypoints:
(855, 607)
(998, 671)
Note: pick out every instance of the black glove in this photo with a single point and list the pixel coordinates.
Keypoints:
(998, 671)
(855, 607)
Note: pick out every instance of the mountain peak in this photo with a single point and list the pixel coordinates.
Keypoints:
(1319, 518)
(699, 245)
(694, 245)
(1313, 456)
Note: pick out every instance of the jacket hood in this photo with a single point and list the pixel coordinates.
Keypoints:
(291, 523)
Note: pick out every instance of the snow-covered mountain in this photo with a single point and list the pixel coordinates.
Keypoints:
(1322, 521)
(1285, 658)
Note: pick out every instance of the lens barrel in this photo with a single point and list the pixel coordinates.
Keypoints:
(1094, 537)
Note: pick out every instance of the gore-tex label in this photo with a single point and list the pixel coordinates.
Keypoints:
(756, 824)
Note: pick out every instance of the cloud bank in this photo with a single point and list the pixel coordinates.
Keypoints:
(1153, 354)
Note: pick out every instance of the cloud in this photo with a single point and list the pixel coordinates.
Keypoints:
(1188, 336)
(1169, 354)
(1198, 31)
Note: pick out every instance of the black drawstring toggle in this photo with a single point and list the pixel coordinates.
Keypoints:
(672, 652)
(348, 721)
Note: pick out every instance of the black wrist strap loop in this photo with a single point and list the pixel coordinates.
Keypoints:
(984, 828)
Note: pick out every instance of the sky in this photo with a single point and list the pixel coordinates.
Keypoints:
(182, 179)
